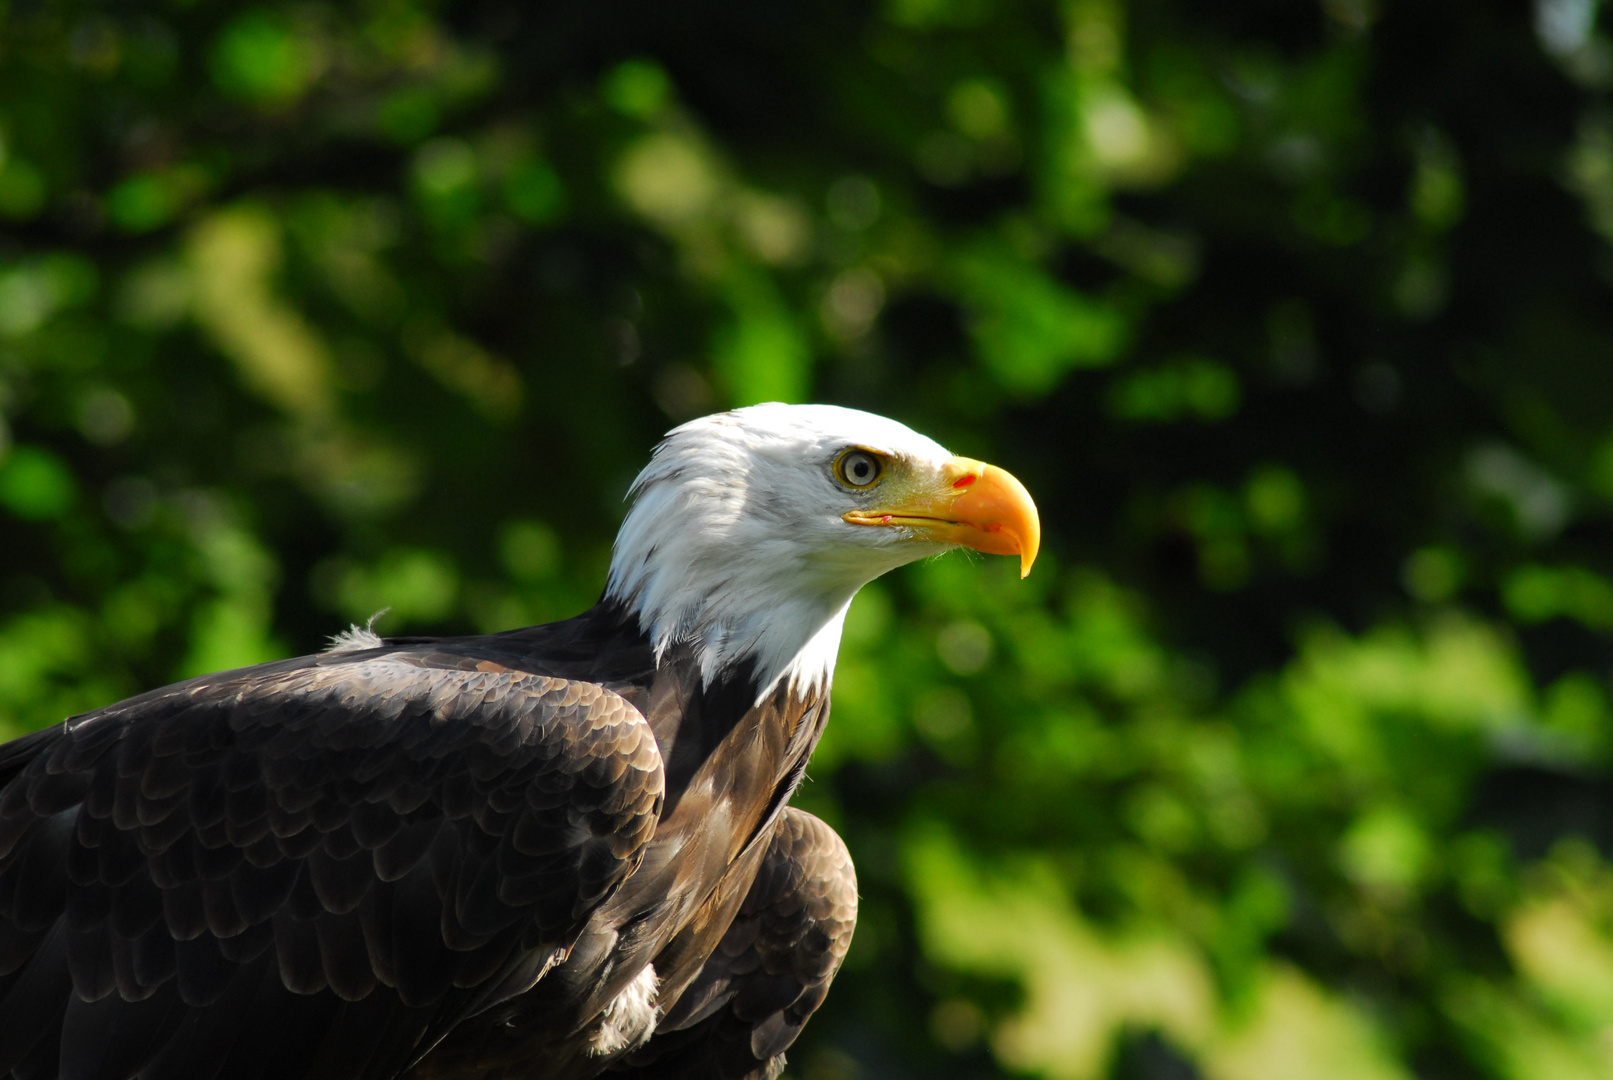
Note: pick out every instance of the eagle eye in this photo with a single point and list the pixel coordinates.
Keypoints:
(858, 468)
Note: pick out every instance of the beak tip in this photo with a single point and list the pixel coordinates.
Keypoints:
(1027, 557)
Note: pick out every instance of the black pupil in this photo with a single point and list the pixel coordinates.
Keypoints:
(862, 470)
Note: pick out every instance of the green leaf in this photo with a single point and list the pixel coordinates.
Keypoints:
(36, 485)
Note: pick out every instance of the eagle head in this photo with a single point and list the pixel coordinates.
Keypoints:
(751, 531)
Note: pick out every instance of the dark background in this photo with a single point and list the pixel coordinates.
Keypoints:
(1289, 759)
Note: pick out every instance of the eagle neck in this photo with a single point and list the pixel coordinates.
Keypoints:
(791, 645)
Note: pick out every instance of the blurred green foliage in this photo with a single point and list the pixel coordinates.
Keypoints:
(1290, 759)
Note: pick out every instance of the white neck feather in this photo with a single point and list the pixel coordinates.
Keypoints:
(759, 605)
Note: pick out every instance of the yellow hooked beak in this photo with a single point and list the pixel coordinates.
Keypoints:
(977, 505)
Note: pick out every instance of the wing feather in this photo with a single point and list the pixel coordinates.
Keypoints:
(771, 969)
(33, 1000)
(360, 845)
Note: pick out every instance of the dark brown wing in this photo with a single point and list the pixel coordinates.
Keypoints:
(771, 970)
(730, 765)
(311, 868)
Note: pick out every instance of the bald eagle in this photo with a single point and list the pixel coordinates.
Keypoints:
(546, 853)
